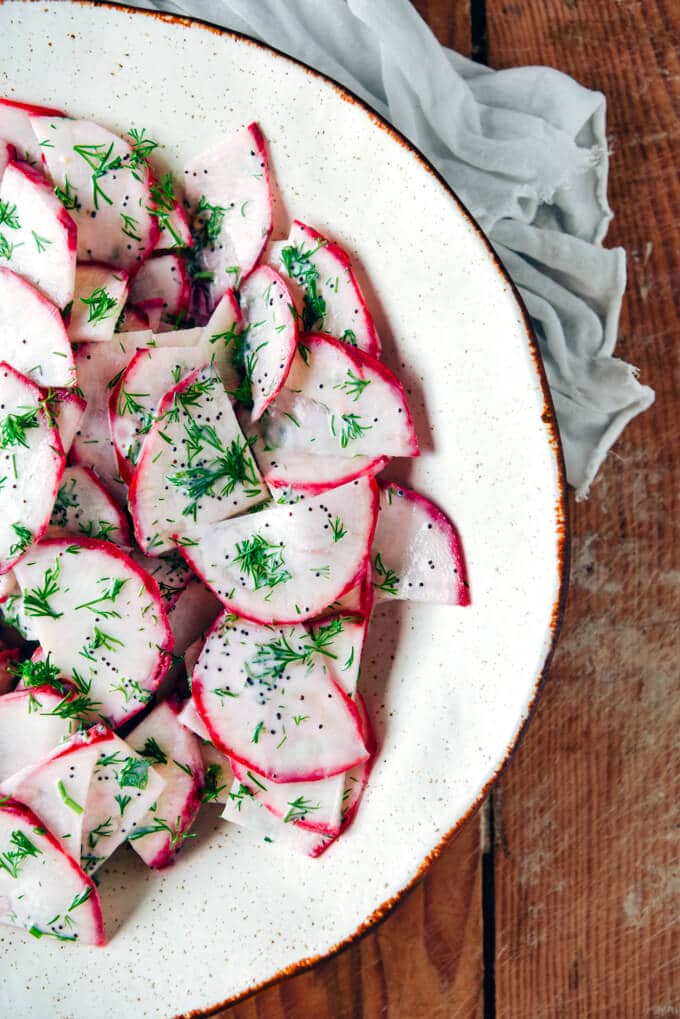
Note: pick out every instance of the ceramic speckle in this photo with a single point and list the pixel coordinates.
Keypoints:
(449, 689)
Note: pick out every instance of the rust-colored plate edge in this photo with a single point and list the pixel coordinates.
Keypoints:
(562, 526)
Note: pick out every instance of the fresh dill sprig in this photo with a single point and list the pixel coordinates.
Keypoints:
(262, 561)
(100, 305)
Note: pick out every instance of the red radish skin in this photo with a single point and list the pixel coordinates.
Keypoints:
(216, 554)
(15, 127)
(40, 237)
(35, 461)
(296, 470)
(270, 334)
(247, 726)
(122, 232)
(417, 554)
(339, 402)
(232, 177)
(7, 154)
(328, 268)
(164, 278)
(71, 891)
(174, 230)
(99, 294)
(126, 668)
(84, 507)
(32, 334)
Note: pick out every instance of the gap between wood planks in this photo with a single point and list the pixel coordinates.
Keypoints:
(479, 53)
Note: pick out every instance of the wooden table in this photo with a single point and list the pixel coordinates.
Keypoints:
(581, 873)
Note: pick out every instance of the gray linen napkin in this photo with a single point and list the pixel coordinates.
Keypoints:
(525, 149)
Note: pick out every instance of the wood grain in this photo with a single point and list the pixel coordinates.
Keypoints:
(450, 21)
(587, 826)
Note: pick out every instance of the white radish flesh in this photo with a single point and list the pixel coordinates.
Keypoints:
(196, 467)
(15, 127)
(84, 507)
(287, 564)
(175, 754)
(42, 889)
(164, 278)
(269, 337)
(101, 619)
(332, 300)
(417, 554)
(107, 188)
(32, 334)
(192, 614)
(98, 299)
(31, 466)
(68, 410)
(170, 572)
(30, 726)
(229, 192)
(37, 235)
(269, 704)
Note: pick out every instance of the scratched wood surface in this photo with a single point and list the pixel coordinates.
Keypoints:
(586, 826)
(587, 871)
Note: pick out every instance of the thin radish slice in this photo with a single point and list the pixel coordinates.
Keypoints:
(190, 718)
(192, 614)
(8, 659)
(106, 185)
(287, 564)
(164, 278)
(229, 193)
(243, 810)
(196, 466)
(220, 338)
(331, 297)
(31, 466)
(101, 619)
(68, 410)
(15, 127)
(99, 365)
(173, 225)
(32, 334)
(287, 719)
(337, 644)
(304, 472)
(269, 337)
(339, 402)
(170, 572)
(218, 775)
(31, 724)
(175, 754)
(417, 554)
(98, 299)
(84, 507)
(133, 320)
(135, 397)
(7, 154)
(42, 889)
(37, 235)
(8, 586)
(153, 309)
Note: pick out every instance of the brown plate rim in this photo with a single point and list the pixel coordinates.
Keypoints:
(562, 524)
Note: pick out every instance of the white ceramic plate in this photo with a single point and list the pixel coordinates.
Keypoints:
(449, 689)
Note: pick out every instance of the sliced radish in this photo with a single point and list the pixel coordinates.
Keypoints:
(68, 410)
(31, 724)
(31, 466)
(315, 805)
(8, 659)
(133, 320)
(196, 466)
(37, 235)
(166, 206)
(229, 193)
(84, 507)
(101, 619)
(175, 754)
(170, 572)
(287, 564)
(417, 554)
(42, 889)
(339, 402)
(304, 472)
(99, 365)
(220, 337)
(98, 299)
(331, 299)
(153, 310)
(32, 334)
(15, 127)
(269, 338)
(189, 716)
(268, 703)
(106, 185)
(192, 614)
(139, 390)
(8, 586)
(163, 278)
(7, 154)
(218, 774)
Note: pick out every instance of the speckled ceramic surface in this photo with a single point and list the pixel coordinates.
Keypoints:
(448, 688)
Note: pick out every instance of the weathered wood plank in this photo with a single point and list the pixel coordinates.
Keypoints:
(449, 20)
(586, 866)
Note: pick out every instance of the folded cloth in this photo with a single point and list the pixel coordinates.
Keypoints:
(526, 151)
